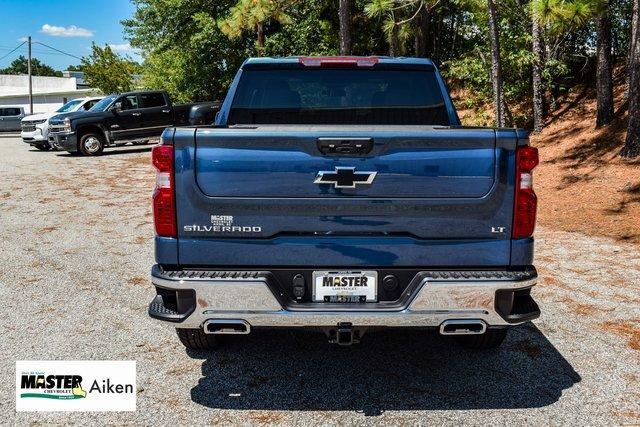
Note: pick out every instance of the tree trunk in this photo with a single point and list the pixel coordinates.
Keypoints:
(437, 39)
(422, 26)
(632, 42)
(538, 89)
(260, 38)
(496, 72)
(452, 48)
(345, 27)
(604, 82)
(394, 43)
(632, 141)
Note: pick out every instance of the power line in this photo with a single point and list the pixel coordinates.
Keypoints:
(47, 51)
(20, 45)
(57, 50)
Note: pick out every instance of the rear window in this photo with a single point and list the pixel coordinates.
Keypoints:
(338, 96)
(152, 100)
(89, 104)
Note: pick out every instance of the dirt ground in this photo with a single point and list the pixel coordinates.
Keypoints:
(76, 244)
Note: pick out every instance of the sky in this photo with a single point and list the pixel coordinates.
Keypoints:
(67, 25)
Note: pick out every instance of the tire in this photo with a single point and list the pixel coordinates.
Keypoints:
(492, 338)
(196, 339)
(91, 144)
(43, 147)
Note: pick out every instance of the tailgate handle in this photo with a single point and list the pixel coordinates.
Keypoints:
(345, 146)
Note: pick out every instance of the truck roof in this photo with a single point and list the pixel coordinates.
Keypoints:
(380, 59)
(136, 92)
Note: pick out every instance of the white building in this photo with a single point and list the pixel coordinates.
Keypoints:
(49, 93)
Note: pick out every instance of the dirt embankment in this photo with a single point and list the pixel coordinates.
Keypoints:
(582, 183)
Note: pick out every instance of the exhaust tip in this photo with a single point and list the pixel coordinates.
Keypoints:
(227, 327)
(463, 327)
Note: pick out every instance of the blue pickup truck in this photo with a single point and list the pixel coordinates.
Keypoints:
(342, 194)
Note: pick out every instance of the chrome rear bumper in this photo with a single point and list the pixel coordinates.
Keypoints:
(438, 297)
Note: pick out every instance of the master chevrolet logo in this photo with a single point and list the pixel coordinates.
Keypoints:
(344, 177)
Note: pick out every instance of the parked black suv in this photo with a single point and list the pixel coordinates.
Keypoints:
(133, 117)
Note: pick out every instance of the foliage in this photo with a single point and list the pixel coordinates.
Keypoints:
(20, 66)
(398, 17)
(252, 14)
(310, 31)
(177, 37)
(106, 70)
(561, 16)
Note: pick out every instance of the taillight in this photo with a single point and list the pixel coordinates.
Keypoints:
(319, 61)
(526, 202)
(164, 203)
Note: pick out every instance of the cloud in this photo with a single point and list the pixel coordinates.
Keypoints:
(70, 31)
(122, 47)
(23, 39)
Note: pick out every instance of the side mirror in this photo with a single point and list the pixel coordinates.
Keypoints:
(117, 107)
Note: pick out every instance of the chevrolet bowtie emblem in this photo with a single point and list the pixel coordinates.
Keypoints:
(344, 177)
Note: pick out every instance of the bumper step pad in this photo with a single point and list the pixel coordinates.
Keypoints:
(172, 305)
(207, 274)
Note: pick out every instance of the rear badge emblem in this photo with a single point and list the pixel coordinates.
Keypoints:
(345, 177)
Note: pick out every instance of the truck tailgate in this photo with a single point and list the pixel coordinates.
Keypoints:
(283, 164)
(437, 194)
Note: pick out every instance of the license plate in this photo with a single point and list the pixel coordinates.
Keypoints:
(345, 286)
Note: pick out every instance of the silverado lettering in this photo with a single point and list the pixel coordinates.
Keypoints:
(222, 229)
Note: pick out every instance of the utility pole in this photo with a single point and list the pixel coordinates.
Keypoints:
(30, 83)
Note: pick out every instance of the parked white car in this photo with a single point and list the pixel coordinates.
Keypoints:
(35, 128)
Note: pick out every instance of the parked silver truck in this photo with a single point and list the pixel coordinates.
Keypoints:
(10, 118)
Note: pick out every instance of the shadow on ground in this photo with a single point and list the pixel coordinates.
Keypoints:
(111, 151)
(408, 370)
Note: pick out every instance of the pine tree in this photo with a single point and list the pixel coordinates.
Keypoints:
(420, 38)
(345, 27)
(496, 71)
(538, 60)
(398, 14)
(252, 15)
(604, 78)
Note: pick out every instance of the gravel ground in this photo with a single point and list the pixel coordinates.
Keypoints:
(76, 244)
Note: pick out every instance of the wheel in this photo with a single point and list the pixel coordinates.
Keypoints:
(196, 339)
(492, 338)
(43, 147)
(91, 144)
